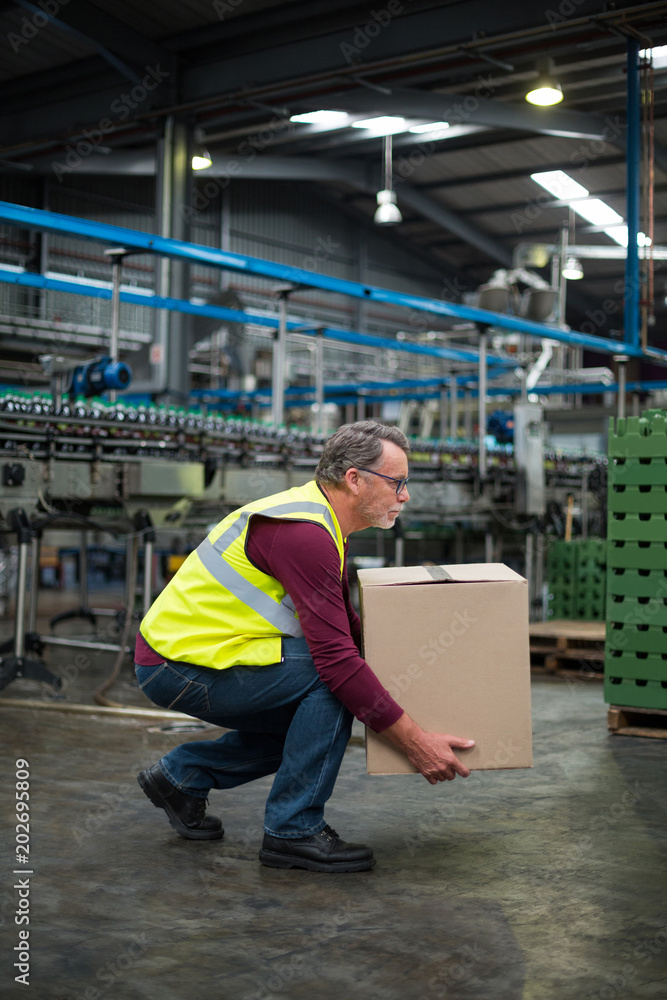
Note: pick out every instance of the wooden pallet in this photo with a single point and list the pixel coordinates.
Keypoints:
(568, 648)
(651, 722)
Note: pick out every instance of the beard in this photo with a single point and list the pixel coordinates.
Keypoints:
(377, 514)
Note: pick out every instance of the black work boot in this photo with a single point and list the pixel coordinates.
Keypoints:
(186, 813)
(323, 852)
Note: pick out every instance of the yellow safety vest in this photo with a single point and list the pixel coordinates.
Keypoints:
(220, 610)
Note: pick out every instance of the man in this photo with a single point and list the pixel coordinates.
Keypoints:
(256, 633)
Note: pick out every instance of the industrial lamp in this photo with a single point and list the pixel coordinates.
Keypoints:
(572, 269)
(387, 213)
(201, 158)
(546, 90)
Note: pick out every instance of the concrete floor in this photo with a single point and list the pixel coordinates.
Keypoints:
(542, 884)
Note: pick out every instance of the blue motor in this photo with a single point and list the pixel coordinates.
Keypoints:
(501, 425)
(94, 377)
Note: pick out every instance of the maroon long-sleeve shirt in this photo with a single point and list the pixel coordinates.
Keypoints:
(302, 556)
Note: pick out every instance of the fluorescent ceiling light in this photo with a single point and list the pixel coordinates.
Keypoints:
(430, 127)
(658, 55)
(383, 125)
(620, 235)
(560, 184)
(334, 119)
(597, 213)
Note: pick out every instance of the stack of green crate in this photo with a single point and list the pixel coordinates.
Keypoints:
(591, 584)
(562, 578)
(576, 574)
(635, 672)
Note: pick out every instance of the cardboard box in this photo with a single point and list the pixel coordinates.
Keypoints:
(450, 643)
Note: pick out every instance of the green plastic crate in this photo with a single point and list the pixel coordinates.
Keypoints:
(638, 437)
(637, 527)
(635, 638)
(628, 692)
(638, 666)
(633, 611)
(637, 583)
(644, 499)
(625, 553)
(638, 471)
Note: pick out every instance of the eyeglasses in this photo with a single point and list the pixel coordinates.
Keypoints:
(400, 483)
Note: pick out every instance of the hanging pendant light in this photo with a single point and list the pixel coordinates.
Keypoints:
(387, 212)
(572, 269)
(546, 90)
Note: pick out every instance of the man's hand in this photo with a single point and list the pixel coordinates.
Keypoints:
(430, 753)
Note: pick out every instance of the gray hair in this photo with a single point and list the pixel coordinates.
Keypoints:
(356, 446)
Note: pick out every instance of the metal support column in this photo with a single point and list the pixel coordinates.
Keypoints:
(444, 429)
(164, 200)
(318, 422)
(621, 360)
(468, 406)
(631, 310)
(453, 404)
(562, 280)
(17, 664)
(279, 360)
(34, 583)
(117, 255)
(483, 340)
(144, 525)
(530, 542)
(174, 189)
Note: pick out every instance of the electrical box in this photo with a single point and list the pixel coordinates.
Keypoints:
(529, 458)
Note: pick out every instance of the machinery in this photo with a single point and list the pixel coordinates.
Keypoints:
(136, 471)
(85, 378)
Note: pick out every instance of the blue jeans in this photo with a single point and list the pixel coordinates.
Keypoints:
(283, 719)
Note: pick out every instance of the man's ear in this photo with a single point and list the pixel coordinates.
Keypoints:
(352, 480)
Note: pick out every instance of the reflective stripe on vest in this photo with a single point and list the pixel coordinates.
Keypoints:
(220, 610)
(282, 616)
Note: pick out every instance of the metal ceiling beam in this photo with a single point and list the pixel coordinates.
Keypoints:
(102, 29)
(58, 24)
(300, 169)
(476, 108)
(37, 219)
(214, 71)
(496, 176)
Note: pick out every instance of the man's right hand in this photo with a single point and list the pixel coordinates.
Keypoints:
(430, 753)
